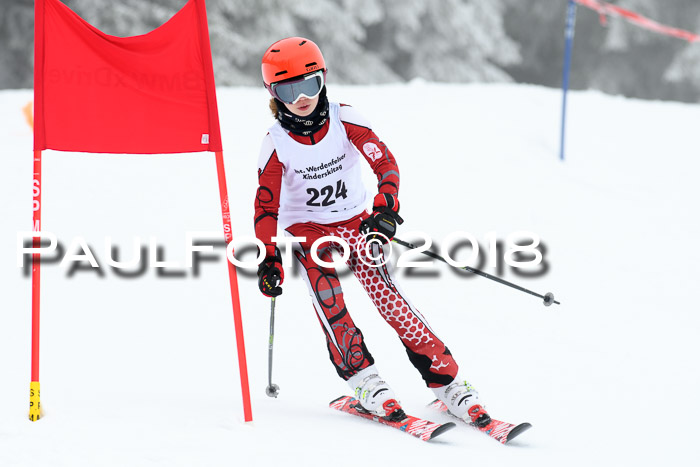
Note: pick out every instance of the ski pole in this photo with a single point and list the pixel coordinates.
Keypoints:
(272, 389)
(548, 297)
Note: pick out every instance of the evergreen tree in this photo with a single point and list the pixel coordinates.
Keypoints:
(16, 44)
(241, 31)
(380, 41)
(449, 40)
(684, 71)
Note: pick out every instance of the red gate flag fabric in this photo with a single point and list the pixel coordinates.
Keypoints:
(145, 94)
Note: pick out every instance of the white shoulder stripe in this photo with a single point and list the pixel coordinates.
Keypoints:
(348, 114)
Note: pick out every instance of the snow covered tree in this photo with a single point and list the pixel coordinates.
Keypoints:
(686, 66)
(449, 40)
(380, 41)
(241, 31)
(616, 57)
(684, 71)
(365, 41)
(621, 35)
(636, 58)
(16, 52)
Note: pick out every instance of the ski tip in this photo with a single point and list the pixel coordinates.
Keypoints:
(337, 399)
(517, 431)
(442, 428)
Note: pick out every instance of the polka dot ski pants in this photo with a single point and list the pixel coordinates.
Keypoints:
(346, 344)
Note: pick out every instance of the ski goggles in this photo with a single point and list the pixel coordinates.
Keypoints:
(291, 91)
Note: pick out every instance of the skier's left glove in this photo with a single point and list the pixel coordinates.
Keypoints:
(271, 275)
(384, 218)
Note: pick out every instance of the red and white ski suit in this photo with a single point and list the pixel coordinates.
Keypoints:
(310, 186)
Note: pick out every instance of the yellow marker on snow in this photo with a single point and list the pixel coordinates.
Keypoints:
(34, 402)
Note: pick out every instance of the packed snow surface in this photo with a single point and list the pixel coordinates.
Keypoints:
(142, 370)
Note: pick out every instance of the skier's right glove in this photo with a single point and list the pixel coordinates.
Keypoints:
(382, 223)
(271, 275)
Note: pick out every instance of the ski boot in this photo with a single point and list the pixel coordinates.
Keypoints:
(462, 401)
(374, 395)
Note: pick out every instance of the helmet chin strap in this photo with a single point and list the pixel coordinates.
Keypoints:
(304, 126)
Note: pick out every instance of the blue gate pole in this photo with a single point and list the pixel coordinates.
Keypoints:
(570, 26)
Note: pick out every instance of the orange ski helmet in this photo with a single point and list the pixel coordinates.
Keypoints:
(289, 58)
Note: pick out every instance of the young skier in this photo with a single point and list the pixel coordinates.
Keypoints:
(309, 173)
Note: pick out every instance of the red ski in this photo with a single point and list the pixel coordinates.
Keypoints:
(502, 432)
(423, 429)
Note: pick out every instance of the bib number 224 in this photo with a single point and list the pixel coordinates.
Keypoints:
(328, 193)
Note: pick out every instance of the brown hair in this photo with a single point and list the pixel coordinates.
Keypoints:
(273, 107)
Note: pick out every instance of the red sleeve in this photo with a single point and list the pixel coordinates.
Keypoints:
(267, 202)
(377, 154)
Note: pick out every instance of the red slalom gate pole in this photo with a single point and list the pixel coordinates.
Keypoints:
(235, 298)
(34, 392)
(215, 137)
(34, 401)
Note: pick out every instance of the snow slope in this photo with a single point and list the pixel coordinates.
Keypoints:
(142, 371)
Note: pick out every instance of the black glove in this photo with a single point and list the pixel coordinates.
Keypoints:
(384, 218)
(271, 275)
